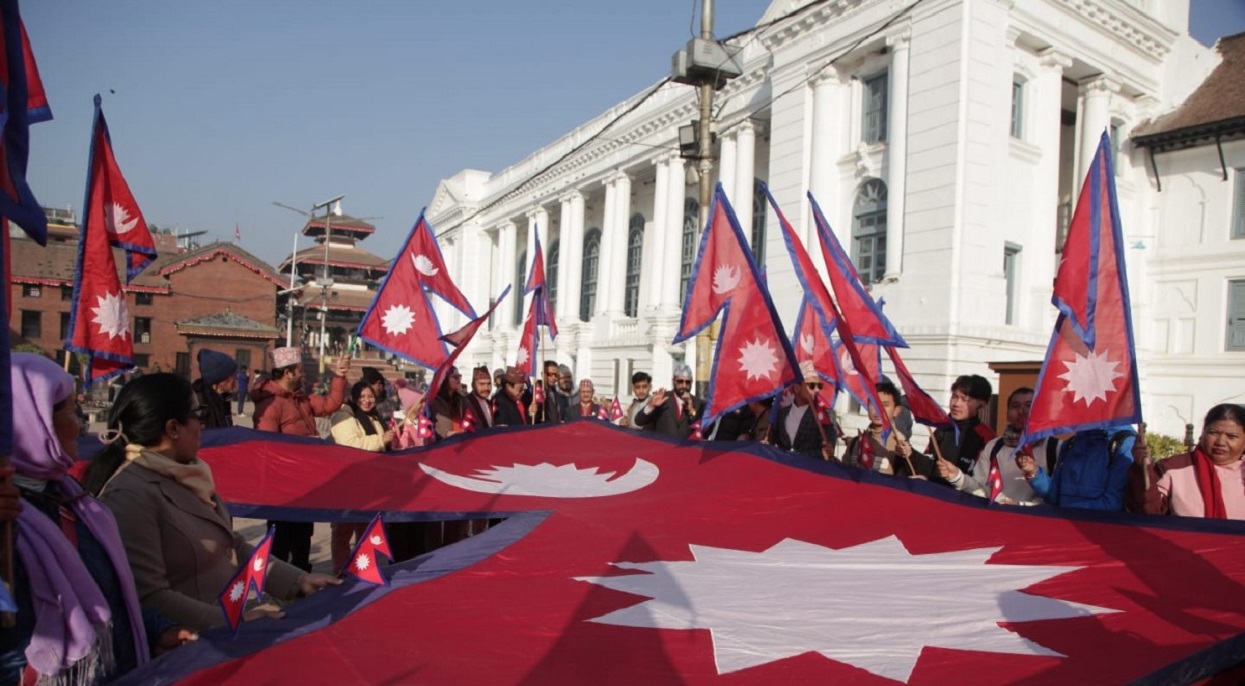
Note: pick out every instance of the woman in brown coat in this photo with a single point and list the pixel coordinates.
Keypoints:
(178, 536)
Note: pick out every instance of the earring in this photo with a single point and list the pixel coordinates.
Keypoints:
(175, 437)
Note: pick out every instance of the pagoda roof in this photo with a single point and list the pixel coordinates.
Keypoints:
(339, 256)
(344, 223)
(343, 299)
(227, 325)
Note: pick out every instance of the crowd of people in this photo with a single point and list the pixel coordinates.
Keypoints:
(129, 563)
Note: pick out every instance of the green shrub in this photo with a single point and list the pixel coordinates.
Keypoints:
(1163, 447)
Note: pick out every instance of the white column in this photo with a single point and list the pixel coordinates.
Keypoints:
(726, 166)
(507, 234)
(609, 219)
(745, 173)
(673, 244)
(622, 225)
(1096, 116)
(1045, 115)
(562, 308)
(897, 155)
(656, 238)
(573, 248)
(826, 142)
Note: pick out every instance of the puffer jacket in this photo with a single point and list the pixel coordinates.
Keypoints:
(294, 413)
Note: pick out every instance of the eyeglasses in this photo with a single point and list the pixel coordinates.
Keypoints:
(200, 412)
(683, 382)
(814, 386)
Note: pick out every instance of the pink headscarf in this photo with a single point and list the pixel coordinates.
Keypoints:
(70, 610)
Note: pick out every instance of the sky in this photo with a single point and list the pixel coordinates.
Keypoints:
(218, 109)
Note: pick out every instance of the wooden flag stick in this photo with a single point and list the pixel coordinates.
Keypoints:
(1145, 468)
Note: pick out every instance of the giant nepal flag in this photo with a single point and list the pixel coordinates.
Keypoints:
(99, 321)
(1089, 377)
(753, 359)
(641, 560)
(852, 355)
(251, 576)
(401, 319)
(22, 103)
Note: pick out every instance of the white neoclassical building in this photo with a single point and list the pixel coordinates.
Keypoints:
(945, 141)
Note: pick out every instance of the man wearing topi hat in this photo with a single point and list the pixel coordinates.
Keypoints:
(283, 406)
(508, 409)
(216, 383)
(797, 429)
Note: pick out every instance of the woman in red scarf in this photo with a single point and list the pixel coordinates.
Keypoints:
(1208, 482)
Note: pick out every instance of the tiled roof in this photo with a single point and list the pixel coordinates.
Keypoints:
(1215, 109)
(227, 324)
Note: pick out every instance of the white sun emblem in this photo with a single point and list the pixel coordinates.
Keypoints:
(258, 564)
(1090, 377)
(522, 357)
(397, 320)
(118, 219)
(725, 278)
(111, 315)
(236, 591)
(845, 362)
(739, 596)
(808, 343)
(758, 359)
(376, 540)
(362, 562)
(550, 481)
(423, 265)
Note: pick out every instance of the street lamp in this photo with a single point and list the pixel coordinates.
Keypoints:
(324, 282)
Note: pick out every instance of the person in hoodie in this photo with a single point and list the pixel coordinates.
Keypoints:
(283, 406)
(215, 387)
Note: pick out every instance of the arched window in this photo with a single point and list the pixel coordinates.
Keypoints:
(869, 230)
(588, 282)
(759, 206)
(551, 273)
(635, 252)
(520, 278)
(691, 217)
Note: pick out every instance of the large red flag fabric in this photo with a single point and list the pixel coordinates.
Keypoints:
(924, 408)
(867, 321)
(401, 318)
(753, 359)
(643, 561)
(22, 103)
(852, 354)
(99, 321)
(1089, 377)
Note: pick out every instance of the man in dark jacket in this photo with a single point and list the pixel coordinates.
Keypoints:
(673, 413)
(508, 405)
(798, 429)
(215, 386)
(969, 394)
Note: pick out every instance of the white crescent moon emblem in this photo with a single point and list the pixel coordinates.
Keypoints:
(424, 266)
(258, 564)
(376, 540)
(547, 481)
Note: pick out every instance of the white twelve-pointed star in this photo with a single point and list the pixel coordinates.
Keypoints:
(808, 343)
(424, 265)
(758, 359)
(799, 597)
(362, 562)
(1090, 377)
(111, 315)
(522, 357)
(235, 591)
(725, 278)
(118, 220)
(397, 320)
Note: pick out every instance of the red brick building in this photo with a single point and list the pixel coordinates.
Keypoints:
(218, 296)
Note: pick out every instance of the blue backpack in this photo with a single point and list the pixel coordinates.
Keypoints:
(1087, 459)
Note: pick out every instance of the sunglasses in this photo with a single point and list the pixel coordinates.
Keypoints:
(814, 386)
(200, 412)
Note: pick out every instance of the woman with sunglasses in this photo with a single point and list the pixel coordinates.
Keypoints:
(178, 536)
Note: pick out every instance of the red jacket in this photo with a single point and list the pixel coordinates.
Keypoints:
(279, 410)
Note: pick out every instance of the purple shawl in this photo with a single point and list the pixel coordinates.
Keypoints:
(70, 610)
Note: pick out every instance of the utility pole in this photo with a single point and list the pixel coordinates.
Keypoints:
(707, 65)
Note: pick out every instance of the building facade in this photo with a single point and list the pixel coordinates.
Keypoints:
(945, 141)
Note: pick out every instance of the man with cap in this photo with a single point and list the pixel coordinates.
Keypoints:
(553, 409)
(508, 406)
(479, 398)
(969, 394)
(216, 383)
(282, 405)
(672, 413)
(797, 429)
(584, 407)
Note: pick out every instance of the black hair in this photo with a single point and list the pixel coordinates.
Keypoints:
(548, 364)
(890, 389)
(641, 376)
(1226, 411)
(142, 409)
(1019, 391)
(974, 386)
(364, 417)
(282, 372)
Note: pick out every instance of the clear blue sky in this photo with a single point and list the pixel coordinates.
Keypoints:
(222, 107)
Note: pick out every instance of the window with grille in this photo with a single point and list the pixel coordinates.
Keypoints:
(551, 273)
(1018, 111)
(32, 324)
(588, 280)
(869, 231)
(873, 121)
(1236, 316)
(691, 217)
(759, 207)
(1238, 205)
(635, 253)
(520, 278)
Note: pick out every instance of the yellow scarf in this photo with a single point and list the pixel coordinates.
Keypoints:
(195, 475)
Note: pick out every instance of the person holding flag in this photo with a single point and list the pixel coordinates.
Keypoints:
(884, 453)
(178, 534)
(448, 405)
(951, 451)
(356, 425)
(1007, 455)
(798, 429)
(480, 399)
(508, 405)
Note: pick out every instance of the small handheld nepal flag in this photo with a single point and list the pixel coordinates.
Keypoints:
(616, 410)
(538, 393)
(424, 428)
(995, 479)
(250, 576)
(602, 413)
(469, 419)
(697, 434)
(364, 560)
(1089, 377)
